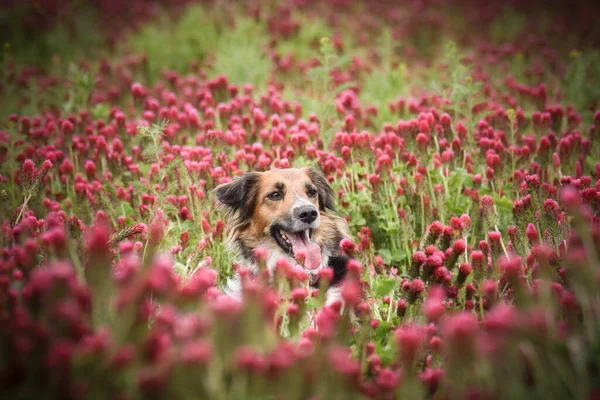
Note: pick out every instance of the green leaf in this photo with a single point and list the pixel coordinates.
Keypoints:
(386, 255)
(398, 257)
(187, 225)
(313, 303)
(460, 177)
(127, 209)
(391, 229)
(343, 87)
(144, 169)
(359, 169)
(385, 286)
(502, 202)
(180, 269)
(382, 330)
(357, 219)
(385, 352)
(101, 111)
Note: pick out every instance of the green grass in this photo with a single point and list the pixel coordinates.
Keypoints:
(384, 86)
(173, 45)
(241, 54)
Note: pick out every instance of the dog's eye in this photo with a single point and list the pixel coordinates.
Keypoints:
(274, 196)
(311, 193)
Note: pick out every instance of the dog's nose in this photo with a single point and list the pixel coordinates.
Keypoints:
(307, 213)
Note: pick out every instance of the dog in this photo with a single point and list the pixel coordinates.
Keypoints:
(286, 211)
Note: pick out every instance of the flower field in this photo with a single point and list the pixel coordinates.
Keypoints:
(461, 140)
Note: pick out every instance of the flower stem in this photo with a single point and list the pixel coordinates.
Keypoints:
(22, 210)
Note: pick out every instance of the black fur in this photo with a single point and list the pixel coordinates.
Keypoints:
(340, 267)
(246, 253)
(326, 197)
(240, 196)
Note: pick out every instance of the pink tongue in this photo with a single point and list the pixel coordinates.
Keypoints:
(301, 244)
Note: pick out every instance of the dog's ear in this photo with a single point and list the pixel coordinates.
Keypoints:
(326, 197)
(239, 195)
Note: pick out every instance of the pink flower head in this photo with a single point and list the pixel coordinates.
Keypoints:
(487, 201)
(434, 308)
(459, 246)
(432, 377)
(138, 90)
(510, 267)
(157, 229)
(90, 169)
(342, 362)
(457, 225)
(348, 246)
(494, 237)
(326, 274)
(28, 170)
(299, 295)
(351, 292)
(199, 283)
(436, 228)
(501, 319)
(261, 254)
(417, 286)
(197, 352)
(419, 257)
(466, 220)
(532, 234)
(226, 307)
(249, 360)
(354, 268)
(570, 198)
(300, 257)
(464, 270)
(489, 288)
(410, 339)
(47, 164)
(97, 242)
(459, 333)
(388, 380)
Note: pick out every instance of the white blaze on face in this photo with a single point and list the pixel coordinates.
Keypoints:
(299, 225)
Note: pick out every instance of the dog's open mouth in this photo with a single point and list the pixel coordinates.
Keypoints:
(294, 243)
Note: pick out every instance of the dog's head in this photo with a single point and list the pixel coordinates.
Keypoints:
(286, 211)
